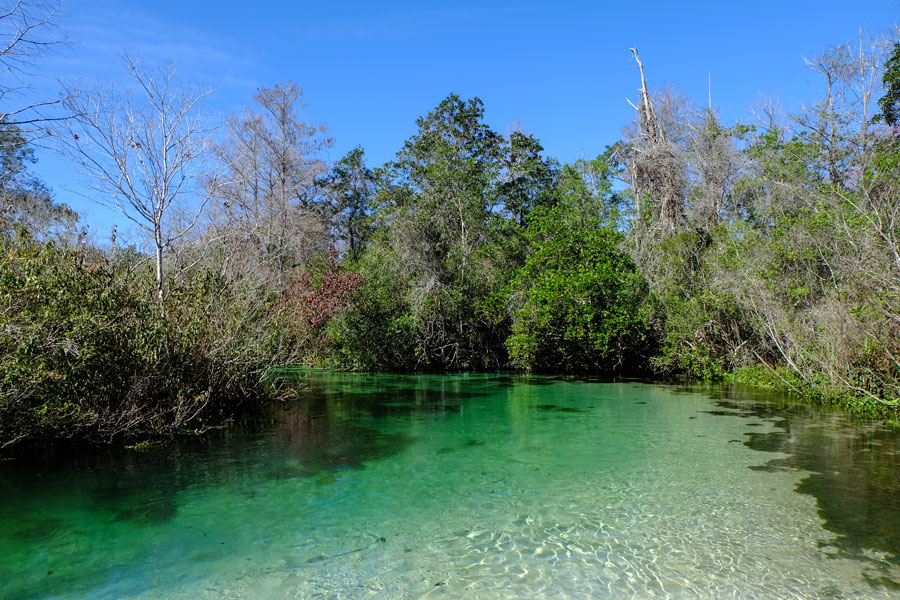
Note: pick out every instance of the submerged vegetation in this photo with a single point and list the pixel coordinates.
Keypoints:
(766, 252)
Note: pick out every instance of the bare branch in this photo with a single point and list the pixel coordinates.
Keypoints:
(27, 31)
(142, 152)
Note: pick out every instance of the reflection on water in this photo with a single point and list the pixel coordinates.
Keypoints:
(471, 485)
(853, 473)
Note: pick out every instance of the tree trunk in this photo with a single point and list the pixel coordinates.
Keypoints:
(159, 269)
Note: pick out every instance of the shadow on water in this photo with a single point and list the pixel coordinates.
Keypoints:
(563, 409)
(337, 422)
(854, 472)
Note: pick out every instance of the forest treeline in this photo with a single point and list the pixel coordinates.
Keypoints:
(764, 251)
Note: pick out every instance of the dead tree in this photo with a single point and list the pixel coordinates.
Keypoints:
(266, 209)
(142, 152)
(657, 163)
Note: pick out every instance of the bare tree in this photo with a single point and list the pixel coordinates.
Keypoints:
(657, 160)
(842, 119)
(827, 121)
(142, 151)
(27, 30)
(715, 165)
(266, 208)
(680, 163)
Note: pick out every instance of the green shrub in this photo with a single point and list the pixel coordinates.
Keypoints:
(87, 352)
(585, 307)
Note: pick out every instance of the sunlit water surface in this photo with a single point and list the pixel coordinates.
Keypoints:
(472, 486)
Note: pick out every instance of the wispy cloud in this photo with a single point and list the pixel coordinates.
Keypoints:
(99, 32)
(103, 31)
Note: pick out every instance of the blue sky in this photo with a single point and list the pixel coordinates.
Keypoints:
(369, 69)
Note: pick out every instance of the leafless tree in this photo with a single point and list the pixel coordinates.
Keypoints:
(657, 161)
(266, 208)
(842, 119)
(28, 29)
(827, 121)
(681, 164)
(715, 165)
(142, 151)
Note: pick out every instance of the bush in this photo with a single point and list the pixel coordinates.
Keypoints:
(585, 307)
(86, 351)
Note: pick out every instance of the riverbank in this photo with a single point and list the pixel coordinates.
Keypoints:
(788, 382)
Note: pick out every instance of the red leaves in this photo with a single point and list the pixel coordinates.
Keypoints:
(322, 292)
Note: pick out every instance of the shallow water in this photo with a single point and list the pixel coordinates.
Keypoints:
(472, 486)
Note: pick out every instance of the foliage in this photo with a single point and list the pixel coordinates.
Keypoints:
(64, 345)
(350, 189)
(24, 199)
(377, 333)
(438, 229)
(86, 353)
(317, 297)
(584, 305)
(890, 102)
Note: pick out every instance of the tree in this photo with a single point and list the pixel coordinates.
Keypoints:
(441, 190)
(267, 205)
(585, 188)
(438, 249)
(143, 151)
(27, 30)
(655, 156)
(527, 179)
(584, 305)
(890, 102)
(828, 121)
(438, 197)
(350, 186)
(715, 165)
(24, 199)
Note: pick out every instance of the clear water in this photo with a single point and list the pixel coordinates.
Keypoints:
(471, 486)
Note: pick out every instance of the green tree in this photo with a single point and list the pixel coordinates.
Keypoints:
(350, 188)
(527, 178)
(585, 307)
(436, 206)
(585, 187)
(890, 102)
(24, 199)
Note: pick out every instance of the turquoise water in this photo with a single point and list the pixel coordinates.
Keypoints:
(471, 486)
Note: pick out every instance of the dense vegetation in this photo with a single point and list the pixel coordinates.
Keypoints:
(766, 252)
